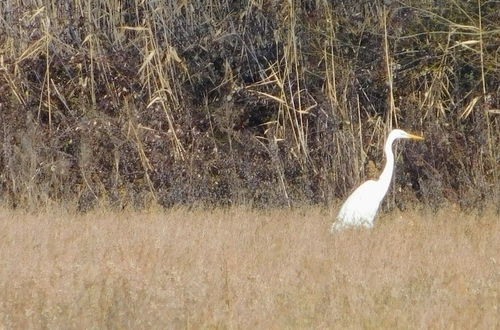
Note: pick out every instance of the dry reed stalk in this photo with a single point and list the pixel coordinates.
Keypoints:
(391, 113)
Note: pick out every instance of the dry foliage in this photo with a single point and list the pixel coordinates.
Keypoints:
(262, 103)
(239, 268)
(269, 102)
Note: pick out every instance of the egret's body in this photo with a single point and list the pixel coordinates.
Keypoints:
(362, 205)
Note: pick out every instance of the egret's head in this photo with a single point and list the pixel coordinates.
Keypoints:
(400, 134)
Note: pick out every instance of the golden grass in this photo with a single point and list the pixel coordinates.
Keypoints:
(239, 268)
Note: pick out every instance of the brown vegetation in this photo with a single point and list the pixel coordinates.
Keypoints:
(238, 268)
(267, 102)
(127, 104)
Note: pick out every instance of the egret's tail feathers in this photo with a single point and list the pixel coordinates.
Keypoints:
(341, 225)
(338, 225)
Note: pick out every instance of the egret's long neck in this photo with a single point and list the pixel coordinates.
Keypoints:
(386, 176)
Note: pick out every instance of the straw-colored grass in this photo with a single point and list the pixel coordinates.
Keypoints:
(239, 268)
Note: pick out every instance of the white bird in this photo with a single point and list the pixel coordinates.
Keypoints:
(361, 207)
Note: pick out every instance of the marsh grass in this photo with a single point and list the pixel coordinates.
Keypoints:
(242, 268)
(227, 102)
(108, 107)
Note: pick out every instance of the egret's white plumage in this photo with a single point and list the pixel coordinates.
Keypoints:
(361, 206)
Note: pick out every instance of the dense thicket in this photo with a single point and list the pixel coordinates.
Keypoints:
(251, 101)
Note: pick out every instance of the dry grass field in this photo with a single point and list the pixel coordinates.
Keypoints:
(245, 269)
(269, 104)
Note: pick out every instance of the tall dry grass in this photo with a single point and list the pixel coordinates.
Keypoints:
(241, 268)
(275, 103)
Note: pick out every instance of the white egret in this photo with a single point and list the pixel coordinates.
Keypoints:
(361, 207)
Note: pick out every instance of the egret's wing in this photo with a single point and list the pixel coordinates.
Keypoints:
(361, 206)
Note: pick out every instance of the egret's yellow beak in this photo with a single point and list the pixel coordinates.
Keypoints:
(415, 137)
